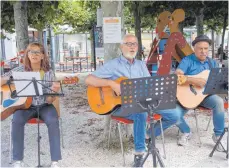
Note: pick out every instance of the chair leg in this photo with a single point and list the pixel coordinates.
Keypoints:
(61, 132)
(10, 150)
(74, 68)
(197, 128)
(109, 135)
(208, 123)
(127, 132)
(163, 139)
(121, 143)
(92, 66)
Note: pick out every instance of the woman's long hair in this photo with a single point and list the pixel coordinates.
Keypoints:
(44, 62)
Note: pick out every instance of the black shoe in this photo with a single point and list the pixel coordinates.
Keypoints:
(138, 159)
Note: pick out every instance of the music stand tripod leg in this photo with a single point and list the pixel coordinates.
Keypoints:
(219, 143)
(38, 117)
(227, 143)
(152, 148)
(37, 94)
(138, 96)
(38, 135)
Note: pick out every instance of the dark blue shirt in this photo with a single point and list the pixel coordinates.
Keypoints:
(190, 65)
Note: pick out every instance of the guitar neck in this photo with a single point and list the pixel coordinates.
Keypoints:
(68, 79)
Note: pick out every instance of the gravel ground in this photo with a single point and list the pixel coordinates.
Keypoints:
(86, 146)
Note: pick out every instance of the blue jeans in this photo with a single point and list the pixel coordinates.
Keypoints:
(139, 128)
(175, 116)
(49, 115)
(216, 104)
(171, 117)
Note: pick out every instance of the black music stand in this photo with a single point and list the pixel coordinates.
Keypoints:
(149, 94)
(218, 84)
(34, 82)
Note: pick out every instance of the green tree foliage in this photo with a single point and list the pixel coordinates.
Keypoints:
(7, 16)
(147, 18)
(40, 14)
(80, 15)
(214, 16)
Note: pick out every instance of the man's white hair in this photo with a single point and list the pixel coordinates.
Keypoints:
(127, 36)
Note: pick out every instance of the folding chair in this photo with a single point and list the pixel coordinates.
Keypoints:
(120, 120)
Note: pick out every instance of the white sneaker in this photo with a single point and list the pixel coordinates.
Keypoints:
(54, 164)
(183, 139)
(219, 146)
(18, 164)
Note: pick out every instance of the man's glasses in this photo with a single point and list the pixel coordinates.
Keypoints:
(129, 44)
(35, 52)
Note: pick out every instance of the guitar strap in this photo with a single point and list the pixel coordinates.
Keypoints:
(210, 66)
(209, 63)
(42, 74)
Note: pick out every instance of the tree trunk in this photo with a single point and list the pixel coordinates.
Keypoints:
(213, 44)
(224, 29)
(51, 49)
(112, 9)
(57, 55)
(137, 26)
(21, 24)
(92, 45)
(227, 42)
(3, 53)
(200, 22)
(40, 37)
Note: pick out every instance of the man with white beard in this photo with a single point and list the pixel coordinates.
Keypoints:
(126, 65)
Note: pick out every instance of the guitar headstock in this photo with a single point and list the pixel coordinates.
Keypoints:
(181, 79)
(70, 80)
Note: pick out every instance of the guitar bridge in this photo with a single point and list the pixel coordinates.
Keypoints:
(101, 95)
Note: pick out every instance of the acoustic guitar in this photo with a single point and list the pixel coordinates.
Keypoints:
(9, 104)
(188, 95)
(103, 100)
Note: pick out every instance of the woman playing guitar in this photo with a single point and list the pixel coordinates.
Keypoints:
(36, 60)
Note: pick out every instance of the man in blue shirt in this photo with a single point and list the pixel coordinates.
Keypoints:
(126, 65)
(192, 65)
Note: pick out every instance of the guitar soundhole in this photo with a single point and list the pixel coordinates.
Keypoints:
(115, 93)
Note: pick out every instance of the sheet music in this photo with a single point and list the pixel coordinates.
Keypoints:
(30, 90)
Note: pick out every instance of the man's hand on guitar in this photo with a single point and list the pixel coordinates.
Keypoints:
(201, 82)
(115, 87)
(50, 99)
(197, 81)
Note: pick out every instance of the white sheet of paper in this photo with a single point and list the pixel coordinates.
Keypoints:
(112, 30)
(30, 90)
